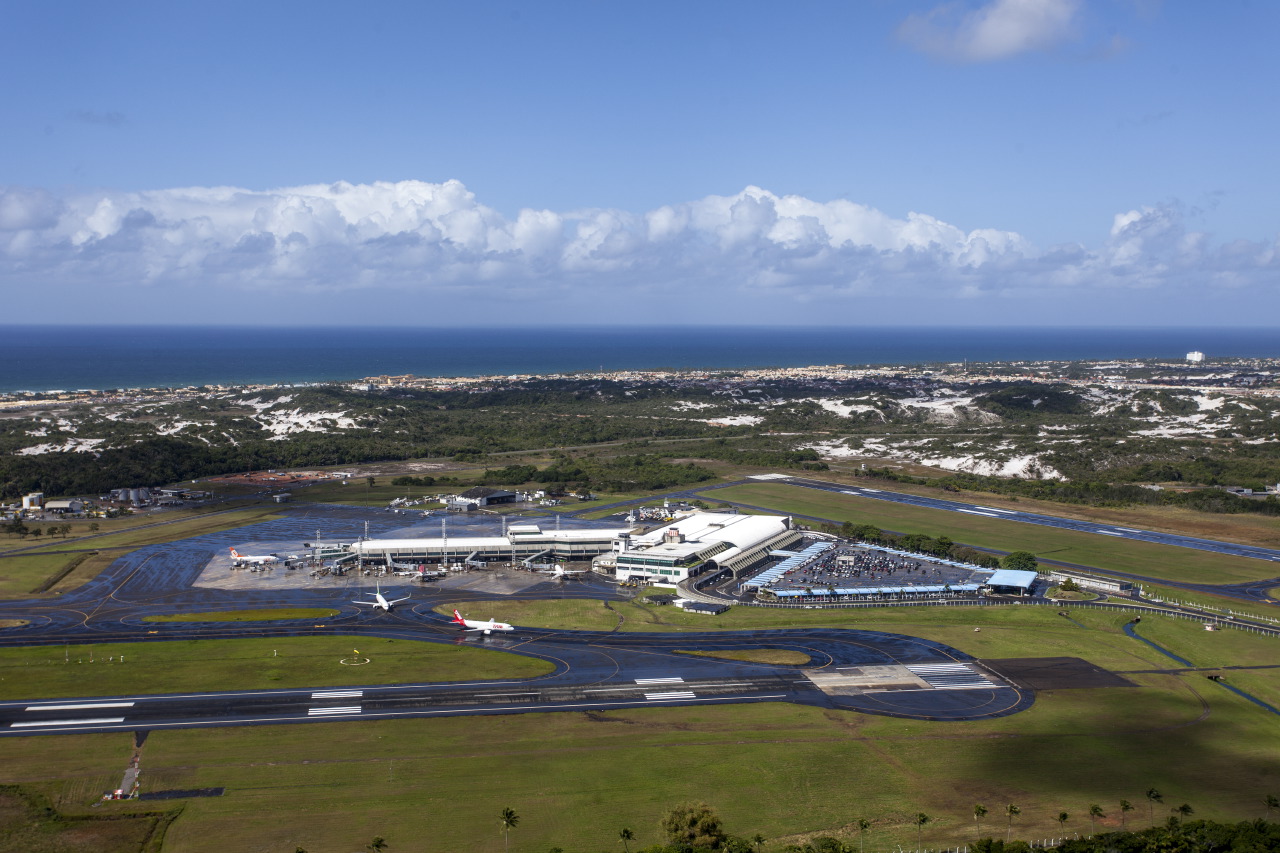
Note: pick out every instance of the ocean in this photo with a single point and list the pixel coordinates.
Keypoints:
(44, 358)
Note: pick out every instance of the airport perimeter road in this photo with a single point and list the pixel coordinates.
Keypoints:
(1113, 531)
(868, 671)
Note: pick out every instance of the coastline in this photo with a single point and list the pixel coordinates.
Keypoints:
(129, 360)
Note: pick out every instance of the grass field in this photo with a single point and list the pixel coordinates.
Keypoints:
(788, 772)
(21, 575)
(1104, 552)
(266, 615)
(184, 666)
(182, 528)
(1252, 529)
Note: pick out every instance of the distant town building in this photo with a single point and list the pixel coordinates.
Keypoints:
(1195, 357)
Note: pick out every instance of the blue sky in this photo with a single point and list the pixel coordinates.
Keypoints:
(1021, 161)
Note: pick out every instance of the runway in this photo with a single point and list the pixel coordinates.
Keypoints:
(871, 672)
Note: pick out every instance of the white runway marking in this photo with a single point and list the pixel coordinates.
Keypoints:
(659, 681)
(949, 676)
(975, 512)
(679, 694)
(330, 712)
(81, 707)
(85, 722)
(1109, 532)
(993, 509)
(338, 694)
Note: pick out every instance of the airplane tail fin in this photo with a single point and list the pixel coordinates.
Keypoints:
(457, 617)
(235, 553)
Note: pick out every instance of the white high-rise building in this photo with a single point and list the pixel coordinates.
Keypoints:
(1195, 356)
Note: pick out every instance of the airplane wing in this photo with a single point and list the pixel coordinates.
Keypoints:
(370, 603)
(398, 600)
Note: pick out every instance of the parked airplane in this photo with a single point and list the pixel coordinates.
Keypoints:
(381, 603)
(476, 625)
(561, 572)
(246, 559)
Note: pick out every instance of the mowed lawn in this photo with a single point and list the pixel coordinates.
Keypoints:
(785, 771)
(184, 666)
(1087, 549)
(21, 575)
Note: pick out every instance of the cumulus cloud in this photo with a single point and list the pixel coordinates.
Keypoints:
(438, 239)
(996, 30)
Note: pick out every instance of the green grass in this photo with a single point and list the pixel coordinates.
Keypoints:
(1103, 552)
(246, 615)
(20, 575)
(184, 666)
(180, 529)
(789, 772)
(1217, 602)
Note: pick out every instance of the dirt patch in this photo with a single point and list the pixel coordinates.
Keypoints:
(1054, 673)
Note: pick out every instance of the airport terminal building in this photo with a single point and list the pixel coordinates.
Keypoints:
(522, 542)
(704, 541)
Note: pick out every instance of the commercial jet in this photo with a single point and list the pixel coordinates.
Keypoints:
(246, 559)
(381, 603)
(477, 625)
(561, 572)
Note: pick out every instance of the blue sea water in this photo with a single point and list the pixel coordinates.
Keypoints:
(43, 358)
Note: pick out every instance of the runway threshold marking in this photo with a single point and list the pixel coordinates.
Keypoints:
(949, 676)
(56, 723)
(678, 694)
(338, 694)
(333, 712)
(676, 680)
(84, 706)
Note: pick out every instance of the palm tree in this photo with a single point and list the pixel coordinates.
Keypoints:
(1012, 811)
(757, 840)
(1183, 811)
(1125, 808)
(921, 820)
(1062, 821)
(979, 812)
(377, 844)
(625, 835)
(1271, 803)
(509, 821)
(1153, 797)
(863, 826)
(1095, 812)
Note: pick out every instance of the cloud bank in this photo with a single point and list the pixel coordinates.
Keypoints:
(996, 30)
(438, 240)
